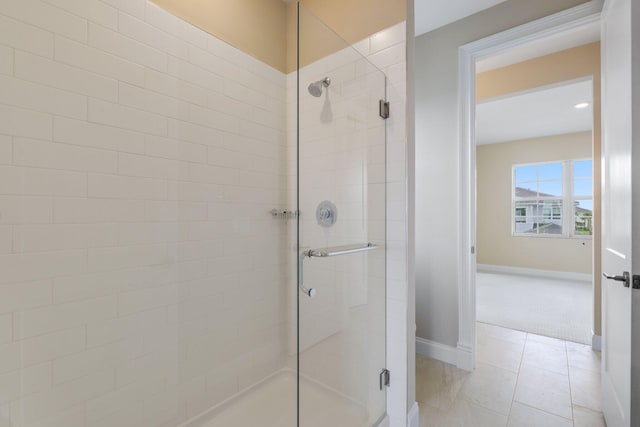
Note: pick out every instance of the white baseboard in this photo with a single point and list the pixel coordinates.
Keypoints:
(465, 358)
(435, 350)
(413, 418)
(596, 342)
(550, 274)
(460, 357)
(385, 422)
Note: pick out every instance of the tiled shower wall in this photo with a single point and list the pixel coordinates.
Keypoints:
(140, 270)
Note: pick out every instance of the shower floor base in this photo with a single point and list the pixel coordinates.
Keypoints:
(272, 403)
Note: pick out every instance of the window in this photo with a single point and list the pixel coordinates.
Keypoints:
(582, 198)
(553, 199)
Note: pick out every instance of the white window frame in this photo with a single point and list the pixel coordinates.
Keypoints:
(568, 215)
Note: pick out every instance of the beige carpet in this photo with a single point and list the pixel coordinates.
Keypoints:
(554, 308)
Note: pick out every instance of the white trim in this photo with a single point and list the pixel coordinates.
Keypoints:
(467, 259)
(460, 356)
(550, 274)
(384, 422)
(578, 16)
(596, 342)
(409, 214)
(466, 359)
(413, 417)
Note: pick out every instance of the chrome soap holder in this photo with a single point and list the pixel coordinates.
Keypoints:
(284, 215)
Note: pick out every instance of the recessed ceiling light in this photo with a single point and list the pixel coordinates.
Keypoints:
(582, 105)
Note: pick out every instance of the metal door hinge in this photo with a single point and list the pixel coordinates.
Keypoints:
(384, 109)
(636, 281)
(385, 378)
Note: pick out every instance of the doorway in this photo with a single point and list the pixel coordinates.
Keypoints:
(560, 32)
(535, 200)
(509, 366)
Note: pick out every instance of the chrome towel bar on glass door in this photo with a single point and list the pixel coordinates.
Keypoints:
(339, 250)
(325, 253)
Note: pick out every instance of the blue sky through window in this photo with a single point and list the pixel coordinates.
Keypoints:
(582, 169)
(526, 174)
(551, 171)
(546, 178)
(582, 187)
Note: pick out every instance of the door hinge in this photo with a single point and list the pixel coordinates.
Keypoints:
(385, 378)
(636, 281)
(384, 109)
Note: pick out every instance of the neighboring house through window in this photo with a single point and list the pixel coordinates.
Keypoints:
(553, 199)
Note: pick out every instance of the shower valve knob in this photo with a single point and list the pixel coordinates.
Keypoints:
(312, 293)
(326, 214)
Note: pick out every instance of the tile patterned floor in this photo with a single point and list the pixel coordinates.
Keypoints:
(522, 380)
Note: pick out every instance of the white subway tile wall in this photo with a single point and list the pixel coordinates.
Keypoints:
(142, 277)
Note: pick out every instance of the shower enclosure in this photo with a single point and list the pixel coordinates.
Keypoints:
(341, 197)
(333, 218)
(188, 237)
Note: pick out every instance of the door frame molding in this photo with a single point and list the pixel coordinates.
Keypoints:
(468, 54)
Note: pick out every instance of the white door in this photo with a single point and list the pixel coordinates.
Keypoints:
(619, 225)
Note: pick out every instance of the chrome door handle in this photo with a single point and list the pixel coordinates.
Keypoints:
(626, 278)
(325, 253)
(310, 292)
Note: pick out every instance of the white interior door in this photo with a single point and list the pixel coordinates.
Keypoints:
(619, 223)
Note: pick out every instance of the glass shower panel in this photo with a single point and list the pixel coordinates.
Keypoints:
(341, 231)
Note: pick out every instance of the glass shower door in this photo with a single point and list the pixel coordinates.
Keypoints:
(341, 232)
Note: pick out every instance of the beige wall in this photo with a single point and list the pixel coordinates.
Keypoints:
(266, 29)
(579, 62)
(257, 27)
(496, 244)
(353, 20)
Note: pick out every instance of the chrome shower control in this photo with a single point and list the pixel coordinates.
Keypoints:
(326, 214)
(311, 293)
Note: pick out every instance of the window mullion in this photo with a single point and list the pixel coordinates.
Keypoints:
(568, 198)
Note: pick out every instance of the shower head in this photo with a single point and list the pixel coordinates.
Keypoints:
(315, 88)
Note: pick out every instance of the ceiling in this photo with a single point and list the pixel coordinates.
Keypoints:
(533, 114)
(432, 14)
